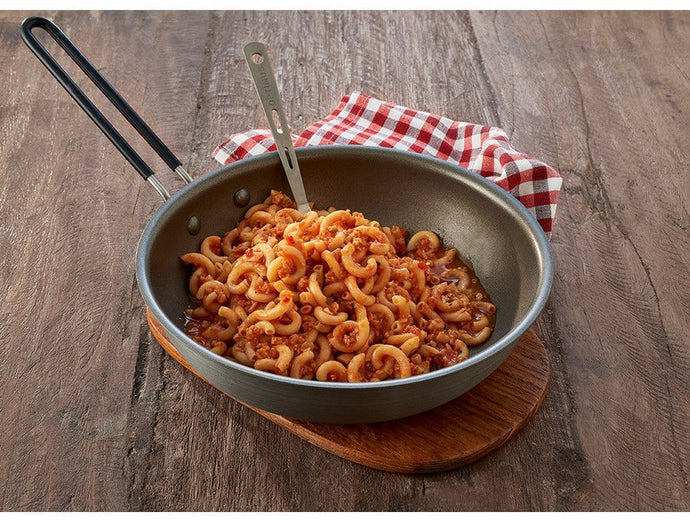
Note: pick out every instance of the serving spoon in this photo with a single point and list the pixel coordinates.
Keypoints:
(260, 67)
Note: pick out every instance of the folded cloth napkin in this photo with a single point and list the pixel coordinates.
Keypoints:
(362, 120)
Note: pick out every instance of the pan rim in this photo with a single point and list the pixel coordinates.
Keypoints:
(538, 236)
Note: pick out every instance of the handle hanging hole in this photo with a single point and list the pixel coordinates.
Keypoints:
(257, 58)
(287, 155)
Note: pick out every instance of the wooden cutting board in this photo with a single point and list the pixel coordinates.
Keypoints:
(452, 435)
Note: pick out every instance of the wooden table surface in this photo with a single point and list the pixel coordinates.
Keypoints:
(95, 416)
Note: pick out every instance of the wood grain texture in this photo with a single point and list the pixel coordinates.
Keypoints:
(625, 206)
(445, 438)
(95, 417)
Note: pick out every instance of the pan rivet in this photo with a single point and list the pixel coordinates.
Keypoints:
(193, 225)
(241, 198)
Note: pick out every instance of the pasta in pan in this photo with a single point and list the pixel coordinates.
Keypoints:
(333, 296)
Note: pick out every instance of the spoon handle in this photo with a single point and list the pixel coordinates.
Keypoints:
(260, 67)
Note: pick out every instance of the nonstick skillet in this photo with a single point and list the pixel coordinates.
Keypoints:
(491, 230)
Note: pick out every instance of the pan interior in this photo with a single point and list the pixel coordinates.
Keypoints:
(395, 189)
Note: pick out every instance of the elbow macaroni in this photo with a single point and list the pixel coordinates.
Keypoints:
(333, 296)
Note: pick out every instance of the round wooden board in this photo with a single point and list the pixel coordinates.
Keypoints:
(457, 433)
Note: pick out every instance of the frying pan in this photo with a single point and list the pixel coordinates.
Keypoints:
(491, 230)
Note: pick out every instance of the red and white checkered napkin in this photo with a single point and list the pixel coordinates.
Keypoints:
(362, 120)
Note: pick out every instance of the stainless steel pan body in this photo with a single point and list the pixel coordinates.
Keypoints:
(490, 229)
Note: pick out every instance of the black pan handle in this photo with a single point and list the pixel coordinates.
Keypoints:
(109, 91)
